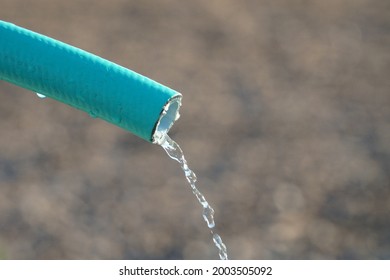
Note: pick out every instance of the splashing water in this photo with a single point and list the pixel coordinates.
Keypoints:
(175, 152)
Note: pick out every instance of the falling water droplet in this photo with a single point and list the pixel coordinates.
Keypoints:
(40, 95)
(208, 216)
(221, 246)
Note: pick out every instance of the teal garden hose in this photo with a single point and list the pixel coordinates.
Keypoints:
(87, 82)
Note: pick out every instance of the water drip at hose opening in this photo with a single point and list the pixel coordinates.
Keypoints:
(40, 95)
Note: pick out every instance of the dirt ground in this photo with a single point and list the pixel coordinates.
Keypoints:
(285, 120)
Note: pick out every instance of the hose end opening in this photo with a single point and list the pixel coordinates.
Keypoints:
(168, 116)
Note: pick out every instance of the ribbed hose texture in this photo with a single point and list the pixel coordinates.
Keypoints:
(82, 80)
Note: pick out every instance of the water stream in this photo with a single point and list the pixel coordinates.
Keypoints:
(175, 152)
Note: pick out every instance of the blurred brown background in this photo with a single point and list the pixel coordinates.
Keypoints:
(285, 120)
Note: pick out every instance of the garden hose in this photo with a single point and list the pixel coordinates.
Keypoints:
(87, 82)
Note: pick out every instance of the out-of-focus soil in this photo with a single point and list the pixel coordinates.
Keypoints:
(285, 120)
